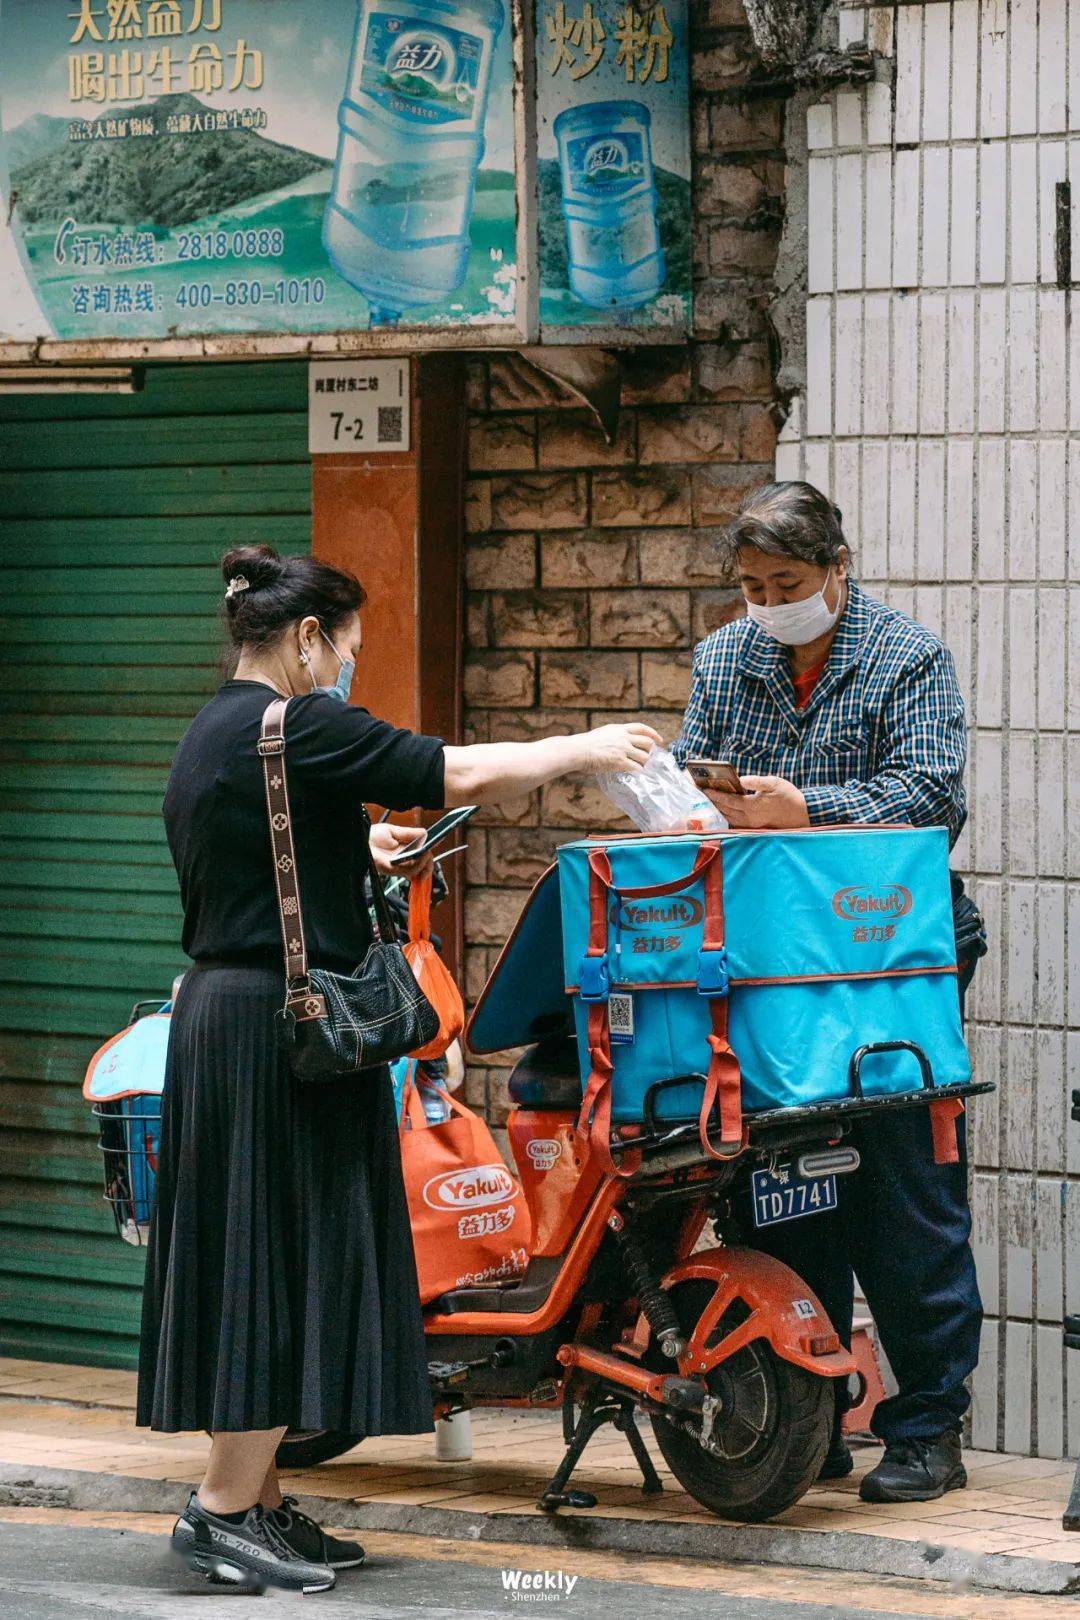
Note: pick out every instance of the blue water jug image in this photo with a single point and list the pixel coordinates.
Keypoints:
(411, 137)
(610, 204)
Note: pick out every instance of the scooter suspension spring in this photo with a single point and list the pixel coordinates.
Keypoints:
(656, 1304)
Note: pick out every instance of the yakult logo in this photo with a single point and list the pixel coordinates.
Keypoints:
(543, 1151)
(682, 912)
(860, 901)
(470, 1189)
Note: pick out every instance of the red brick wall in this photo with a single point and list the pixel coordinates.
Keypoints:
(591, 567)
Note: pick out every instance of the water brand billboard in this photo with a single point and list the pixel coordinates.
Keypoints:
(613, 149)
(180, 167)
(187, 170)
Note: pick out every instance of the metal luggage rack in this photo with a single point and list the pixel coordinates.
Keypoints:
(769, 1127)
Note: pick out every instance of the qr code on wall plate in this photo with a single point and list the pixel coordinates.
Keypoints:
(390, 424)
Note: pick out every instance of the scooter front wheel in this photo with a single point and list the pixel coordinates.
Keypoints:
(306, 1448)
(770, 1438)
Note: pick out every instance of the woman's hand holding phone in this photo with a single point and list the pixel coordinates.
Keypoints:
(388, 839)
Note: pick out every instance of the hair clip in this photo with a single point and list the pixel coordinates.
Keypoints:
(236, 584)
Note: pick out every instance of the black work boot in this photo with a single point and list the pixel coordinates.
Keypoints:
(252, 1554)
(917, 1470)
(838, 1459)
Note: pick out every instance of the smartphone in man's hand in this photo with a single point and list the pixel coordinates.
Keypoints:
(717, 774)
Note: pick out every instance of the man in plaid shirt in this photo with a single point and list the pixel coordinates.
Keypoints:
(833, 707)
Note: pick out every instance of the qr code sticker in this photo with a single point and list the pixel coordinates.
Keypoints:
(621, 1017)
(390, 424)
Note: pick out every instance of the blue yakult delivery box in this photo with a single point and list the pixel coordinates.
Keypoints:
(766, 960)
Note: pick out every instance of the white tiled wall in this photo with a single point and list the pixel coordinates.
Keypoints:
(942, 410)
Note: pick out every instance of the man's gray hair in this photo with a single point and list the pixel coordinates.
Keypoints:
(790, 519)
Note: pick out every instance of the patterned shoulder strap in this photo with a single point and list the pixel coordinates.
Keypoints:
(272, 749)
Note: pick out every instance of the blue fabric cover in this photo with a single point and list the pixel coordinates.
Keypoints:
(142, 1128)
(525, 996)
(132, 1063)
(806, 904)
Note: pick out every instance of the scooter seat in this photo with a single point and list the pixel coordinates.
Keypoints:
(547, 1076)
(525, 1294)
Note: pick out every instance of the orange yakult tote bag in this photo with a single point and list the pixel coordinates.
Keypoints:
(470, 1222)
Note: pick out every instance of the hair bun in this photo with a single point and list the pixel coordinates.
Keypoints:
(259, 565)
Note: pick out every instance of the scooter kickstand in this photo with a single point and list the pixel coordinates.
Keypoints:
(589, 1420)
(596, 1409)
(651, 1483)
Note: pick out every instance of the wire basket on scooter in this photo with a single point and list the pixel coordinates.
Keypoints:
(123, 1083)
(128, 1133)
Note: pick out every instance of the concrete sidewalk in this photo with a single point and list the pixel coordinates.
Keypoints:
(66, 1437)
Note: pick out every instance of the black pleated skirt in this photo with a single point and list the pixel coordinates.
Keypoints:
(280, 1282)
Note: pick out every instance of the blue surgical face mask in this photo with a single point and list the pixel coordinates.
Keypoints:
(343, 684)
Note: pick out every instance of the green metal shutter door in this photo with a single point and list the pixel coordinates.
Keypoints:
(114, 512)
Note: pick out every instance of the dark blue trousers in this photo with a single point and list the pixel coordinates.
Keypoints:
(902, 1224)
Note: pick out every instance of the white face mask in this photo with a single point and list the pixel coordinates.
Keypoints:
(796, 623)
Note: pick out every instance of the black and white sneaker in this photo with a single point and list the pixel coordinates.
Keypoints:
(252, 1554)
(309, 1540)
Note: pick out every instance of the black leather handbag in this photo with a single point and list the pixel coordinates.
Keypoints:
(335, 1024)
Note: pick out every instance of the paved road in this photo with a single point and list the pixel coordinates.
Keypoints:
(59, 1565)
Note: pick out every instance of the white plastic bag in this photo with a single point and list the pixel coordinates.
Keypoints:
(661, 798)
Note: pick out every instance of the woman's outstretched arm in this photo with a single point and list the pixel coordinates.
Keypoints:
(487, 772)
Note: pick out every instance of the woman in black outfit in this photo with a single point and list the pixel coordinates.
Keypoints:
(281, 1285)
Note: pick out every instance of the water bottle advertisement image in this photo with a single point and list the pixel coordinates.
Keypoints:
(613, 164)
(177, 168)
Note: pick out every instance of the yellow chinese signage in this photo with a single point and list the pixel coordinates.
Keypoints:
(130, 74)
(642, 41)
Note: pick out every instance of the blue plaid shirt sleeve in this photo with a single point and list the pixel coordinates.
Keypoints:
(693, 740)
(920, 774)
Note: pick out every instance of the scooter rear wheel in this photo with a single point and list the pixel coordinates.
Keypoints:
(306, 1448)
(773, 1435)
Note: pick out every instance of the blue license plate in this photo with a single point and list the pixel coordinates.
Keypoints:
(785, 1196)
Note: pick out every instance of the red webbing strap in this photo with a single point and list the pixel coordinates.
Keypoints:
(595, 1108)
(723, 1081)
(599, 883)
(593, 1128)
(712, 933)
(943, 1117)
(593, 1136)
(706, 855)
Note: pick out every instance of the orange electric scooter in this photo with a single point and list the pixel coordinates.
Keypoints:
(724, 1348)
(642, 1292)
